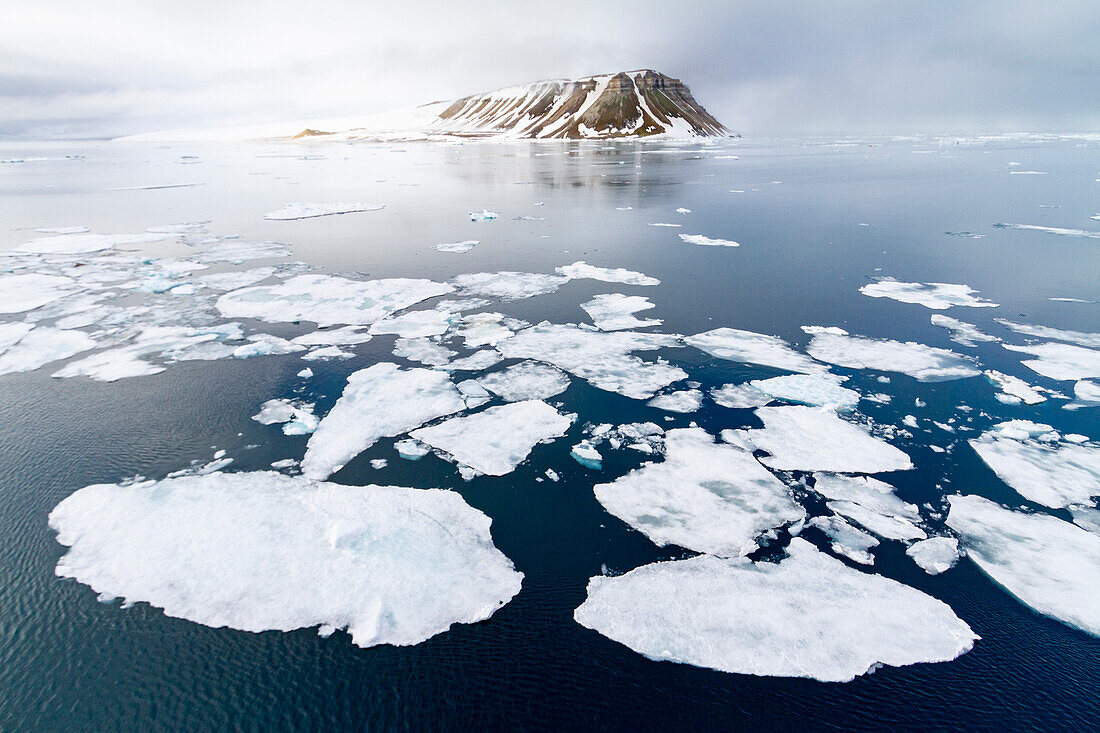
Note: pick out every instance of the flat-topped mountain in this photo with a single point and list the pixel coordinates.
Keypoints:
(641, 103)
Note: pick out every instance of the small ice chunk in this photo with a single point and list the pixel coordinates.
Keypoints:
(1048, 564)
(814, 439)
(297, 417)
(846, 540)
(753, 348)
(325, 353)
(379, 401)
(552, 475)
(411, 450)
(704, 496)
(687, 400)
(486, 329)
(309, 211)
(495, 441)
(457, 247)
(582, 270)
(937, 296)
(923, 363)
(265, 345)
(508, 285)
(962, 333)
(333, 337)
(587, 455)
(379, 463)
(708, 241)
(483, 215)
(935, 555)
(809, 615)
(614, 312)
(527, 380)
(473, 394)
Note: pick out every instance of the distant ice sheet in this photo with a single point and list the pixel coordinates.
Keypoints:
(1052, 230)
(310, 211)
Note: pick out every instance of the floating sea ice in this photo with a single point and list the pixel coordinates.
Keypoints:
(309, 211)
(379, 463)
(739, 396)
(1052, 230)
(265, 551)
(345, 336)
(707, 241)
(62, 230)
(236, 253)
(815, 439)
(820, 389)
(411, 450)
(265, 345)
(846, 540)
(10, 333)
(71, 244)
(475, 362)
(458, 247)
(498, 439)
(483, 215)
(324, 353)
(328, 300)
(235, 280)
(614, 312)
(923, 363)
(1062, 362)
(1090, 340)
(704, 496)
(603, 359)
(173, 343)
(528, 380)
(1087, 393)
(297, 417)
(1048, 564)
(41, 346)
(872, 504)
(473, 394)
(22, 293)
(1013, 390)
(935, 555)
(582, 270)
(937, 296)
(809, 615)
(481, 329)
(423, 350)
(962, 333)
(587, 455)
(664, 224)
(687, 400)
(415, 324)
(1048, 472)
(379, 401)
(305, 373)
(156, 186)
(753, 348)
(508, 285)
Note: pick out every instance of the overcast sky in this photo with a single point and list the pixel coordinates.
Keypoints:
(111, 67)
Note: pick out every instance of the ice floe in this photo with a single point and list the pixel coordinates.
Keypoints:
(1048, 564)
(1047, 471)
(415, 324)
(508, 285)
(345, 336)
(809, 615)
(171, 343)
(739, 396)
(582, 270)
(924, 363)
(1062, 362)
(704, 496)
(821, 389)
(937, 296)
(475, 362)
(498, 439)
(25, 292)
(310, 211)
(457, 247)
(379, 401)
(604, 359)
(935, 555)
(686, 400)
(1013, 390)
(1052, 230)
(707, 241)
(1081, 338)
(872, 504)
(527, 380)
(801, 438)
(297, 418)
(41, 346)
(753, 348)
(265, 551)
(846, 540)
(411, 450)
(72, 244)
(483, 215)
(487, 329)
(422, 350)
(615, 312)
(962, 333)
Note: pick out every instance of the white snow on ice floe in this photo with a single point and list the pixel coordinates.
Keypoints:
(872, 504)
(264, 551)
(753, 348)
(846, 540)
(310, 211)
(22, 293)
(487, 329)
(686, 400)
(379, 401)
(821, 389)
(483, 215)
(528, 380)
(604, 359)
(475, 362)
(237, 252)
(803, 438)
(328, 300)
(1047, 471)
(935, 555)
(963, 333)
(411, 450)
(582, 270)
(233, 280)
(457, 247)
(297, 418)
(345, 336)
(1013, 390)
(1081, 338)
(937, 296)
(924, 363)
(415, 324)
(498, 439)
(85, 243)
(707, 241)
(808, 616)
(42, 346)
(423, 351)
(704, 496)
(1063, 362)
(508, 285)
(739, 396)
(615, 312)
(1048, 564)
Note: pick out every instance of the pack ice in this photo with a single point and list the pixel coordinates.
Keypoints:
(809, 615)
(924, 363)
(528, 380)
(264, 551)
(1062, 362)
(25, 292)
(753, 348)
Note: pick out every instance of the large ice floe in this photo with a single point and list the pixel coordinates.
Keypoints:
(379, 401)
(872, 504)
(264, 551)
(528, 380)
(603, 359)
(615, 312)
(310, 211)
(704, 496)
(1048, 564)
(1081, 338)
(582, 270)
(753, 348)
(1031, 459)
(498, 439)
(924, 363)
(962, 333)
(802, 438)
(508, 285)
(328, 300)
(170, 343)
(809, 615)
(937, 296)
(821, 389)
(1063, 362)
(25, 292)
(40, 346)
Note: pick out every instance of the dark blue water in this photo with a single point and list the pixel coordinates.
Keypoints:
(67, 661)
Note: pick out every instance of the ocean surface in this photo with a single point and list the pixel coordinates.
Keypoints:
(816, 220)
